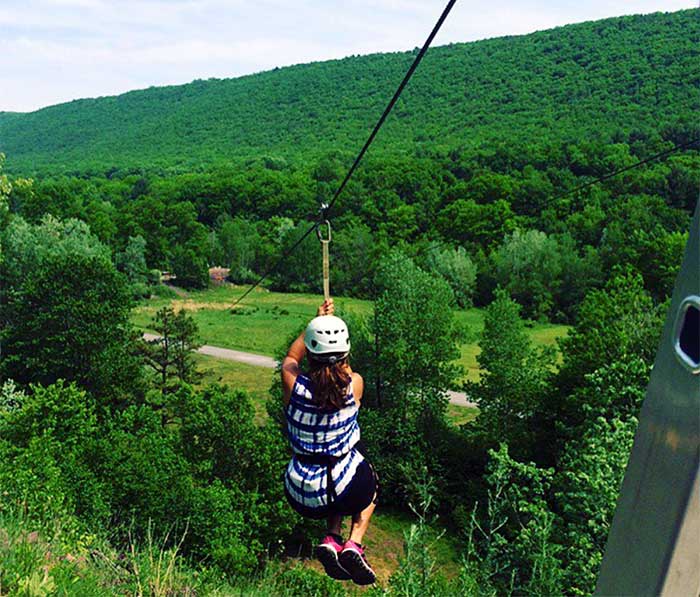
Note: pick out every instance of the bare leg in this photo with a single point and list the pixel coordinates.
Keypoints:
(335, 524)
(360, 522)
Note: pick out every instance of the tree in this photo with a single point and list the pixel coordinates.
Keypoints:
(416, 331)
(457, 268)
(470, 223)
(190, 268)
(414, 346)
(27, 246)
(5, 189)
(70, 320)
(240, 242)
(170, 354)
(612, 323)
(354, 255)
(301, 271)
(132, 260)
(514, 382)
(528, 266)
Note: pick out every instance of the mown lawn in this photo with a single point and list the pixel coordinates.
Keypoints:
(266, 319)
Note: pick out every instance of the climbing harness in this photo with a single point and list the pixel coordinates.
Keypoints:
(325, 242)
(329, 462)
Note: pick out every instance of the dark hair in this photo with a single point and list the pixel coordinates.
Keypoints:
(330, 382)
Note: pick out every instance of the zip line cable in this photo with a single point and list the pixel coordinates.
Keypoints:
(325, 210)
(651, 158)
(364, 149)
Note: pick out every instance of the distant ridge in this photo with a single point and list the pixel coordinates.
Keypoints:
(610, 78)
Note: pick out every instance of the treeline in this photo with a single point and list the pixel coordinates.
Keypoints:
(502, 216)
(608, 80)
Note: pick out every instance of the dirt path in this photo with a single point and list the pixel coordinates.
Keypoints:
(258, 360)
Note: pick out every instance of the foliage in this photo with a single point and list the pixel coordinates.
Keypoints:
(5, 188)
(457, 268)
(411, 358)
(618, 321)
(239, 246)
(416, 574)
(593, 467)
(415, 329)
(589, 80)
(70, 320)
(514, 382)
(132, 263)
(211, 480)
(27, 246)
(545, 274)
(510, 546)
(47, 447)
(189, 267)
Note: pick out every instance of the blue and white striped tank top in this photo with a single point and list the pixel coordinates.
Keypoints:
(314, 431)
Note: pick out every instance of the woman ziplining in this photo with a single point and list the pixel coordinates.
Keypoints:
(328, 476)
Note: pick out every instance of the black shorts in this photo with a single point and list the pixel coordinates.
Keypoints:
(361, 492)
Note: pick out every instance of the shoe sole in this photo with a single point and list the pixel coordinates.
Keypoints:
(355, 564)
(329, 559)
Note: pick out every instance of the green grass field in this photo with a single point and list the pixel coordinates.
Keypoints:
(263, 322)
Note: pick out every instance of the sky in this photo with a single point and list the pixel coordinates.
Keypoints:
(53, 51)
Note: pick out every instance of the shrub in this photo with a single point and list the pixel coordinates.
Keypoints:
(47, 449)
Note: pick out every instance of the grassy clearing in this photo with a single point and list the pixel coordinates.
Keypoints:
(266, 318)
(259, 325)
(240, 376)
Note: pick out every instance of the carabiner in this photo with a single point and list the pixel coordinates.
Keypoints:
(319, 231)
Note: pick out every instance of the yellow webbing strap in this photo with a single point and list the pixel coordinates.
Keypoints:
(325, 242)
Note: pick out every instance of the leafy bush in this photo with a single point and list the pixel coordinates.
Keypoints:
(510, 546)
(47, 448)
(587, 491)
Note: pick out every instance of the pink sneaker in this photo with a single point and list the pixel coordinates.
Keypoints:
(327, 553)
(352, 559)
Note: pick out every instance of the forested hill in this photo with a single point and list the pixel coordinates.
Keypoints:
(611, 79)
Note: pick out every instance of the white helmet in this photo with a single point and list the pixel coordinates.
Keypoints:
(327, 338)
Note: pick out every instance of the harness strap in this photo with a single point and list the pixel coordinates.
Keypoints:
(327, 461)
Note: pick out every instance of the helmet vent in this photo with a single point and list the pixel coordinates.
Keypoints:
(314, 343)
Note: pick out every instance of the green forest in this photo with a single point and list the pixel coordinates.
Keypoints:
(593, 81)
(121, 473)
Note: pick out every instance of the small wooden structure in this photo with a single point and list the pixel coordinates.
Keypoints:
(218, 275)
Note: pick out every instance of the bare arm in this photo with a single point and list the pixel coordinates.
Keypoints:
(358, 387)
(290, 367)
(296, 352)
